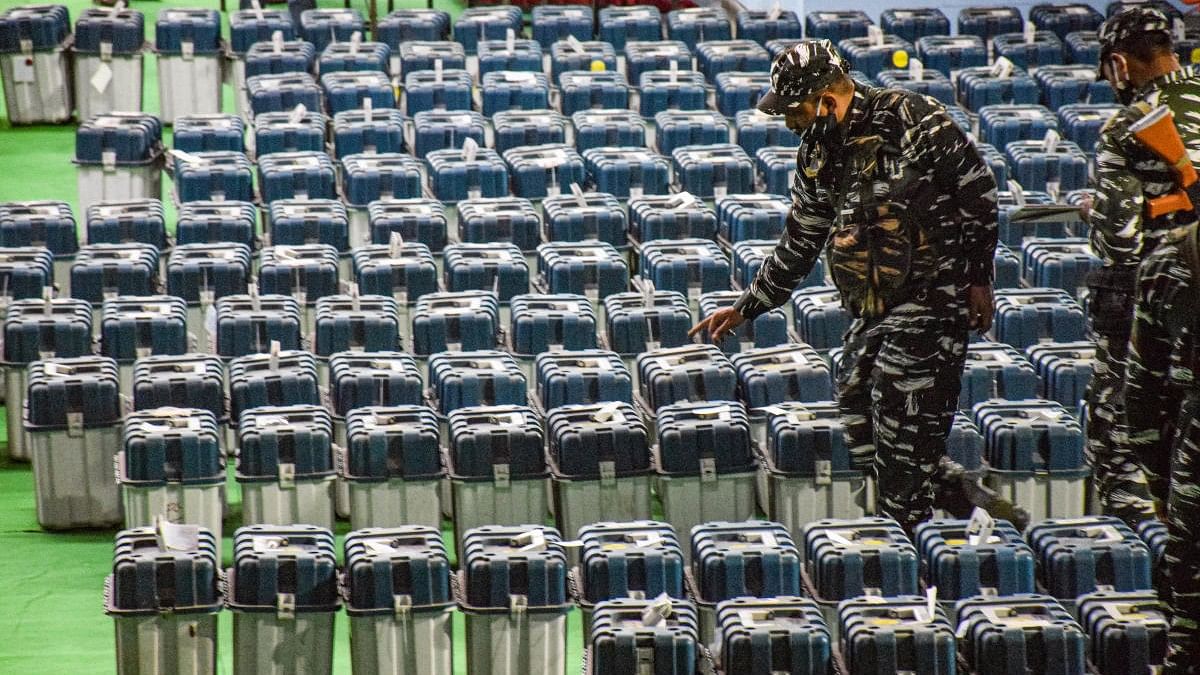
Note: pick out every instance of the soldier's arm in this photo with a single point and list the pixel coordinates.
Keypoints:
(1162, 285)
(960, 175)
(1116, 214)
(807, 229)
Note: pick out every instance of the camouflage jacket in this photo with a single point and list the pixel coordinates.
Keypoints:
(1127, 174)
(1162, 355)
(956, 189)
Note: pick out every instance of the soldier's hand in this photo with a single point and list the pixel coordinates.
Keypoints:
(719, 324)
(980, 307)
(1085, 206)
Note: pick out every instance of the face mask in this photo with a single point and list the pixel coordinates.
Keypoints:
(1121, 86)
(825, 125)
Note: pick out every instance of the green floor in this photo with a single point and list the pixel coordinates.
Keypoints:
(51, 612)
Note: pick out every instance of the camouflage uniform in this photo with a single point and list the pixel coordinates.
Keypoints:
(1127, 175)
(1162, 408)
(901, 368)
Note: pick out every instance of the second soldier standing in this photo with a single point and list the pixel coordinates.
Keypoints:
(908, 209)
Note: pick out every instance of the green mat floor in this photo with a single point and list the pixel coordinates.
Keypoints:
(52, 619)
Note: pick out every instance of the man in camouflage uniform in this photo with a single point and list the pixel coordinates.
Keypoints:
(1162, 408)
(909, 211)
(1137, 57)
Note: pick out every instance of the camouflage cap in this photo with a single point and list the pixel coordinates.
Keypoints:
(1129, 24)
(804, 69)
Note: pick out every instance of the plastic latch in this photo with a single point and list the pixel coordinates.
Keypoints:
(1017, 192)
(517, 604)
(574, 44)
(1179, 28)
(402, 605)
(297, 114)
(580, 199)
(469, 149)
(355, 42)
(108, 160)
(187, 49)
(980, 526)
(916, 70)
(75, 423)
(287, 475)
(608, 472)
(510, 40)
(708, 469)
(658, 611)
(277, 41)
(26, 46)
(501, 475)
(285, 606)
(395, 245)
(875, 35)
(258, 11)
(775, 12)
(273, 355)
(673, 68)
(1030, 32)
(533, 540)
(438, 68)
(1050, 141)
(824, 472)
(609, 412)
(1002, 68)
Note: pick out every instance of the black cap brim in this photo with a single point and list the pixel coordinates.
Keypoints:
(774, 104)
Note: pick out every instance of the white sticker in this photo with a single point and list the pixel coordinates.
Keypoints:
(519, 76)
(23, 70)
(101, 78)
(175, 537)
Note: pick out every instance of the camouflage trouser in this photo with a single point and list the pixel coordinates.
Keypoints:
(898, 391)
(1182, 559)
(1120, 481)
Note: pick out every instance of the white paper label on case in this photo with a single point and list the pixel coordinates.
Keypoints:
(101, 78)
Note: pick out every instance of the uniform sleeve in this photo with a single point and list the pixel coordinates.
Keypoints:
(807, 229)
(1116, 216)
(1149, 403)
(934, 141)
